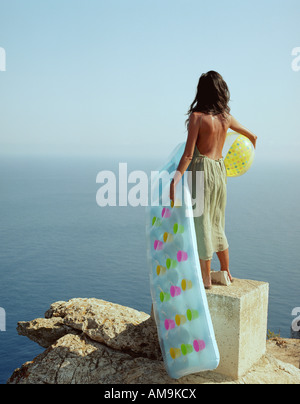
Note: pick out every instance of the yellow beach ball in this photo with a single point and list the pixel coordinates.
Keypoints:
(240, 154)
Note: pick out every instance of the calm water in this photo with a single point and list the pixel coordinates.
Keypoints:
(57, 244)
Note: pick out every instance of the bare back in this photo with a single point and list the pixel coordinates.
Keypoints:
(212, 135)
(208, 134)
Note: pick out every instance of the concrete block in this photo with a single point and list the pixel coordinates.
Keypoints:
(239, 314)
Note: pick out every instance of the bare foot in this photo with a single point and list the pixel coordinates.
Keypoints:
(224, 262)
(207, 283)
(229, 274)
(206, 269)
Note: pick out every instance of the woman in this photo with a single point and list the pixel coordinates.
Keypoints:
(208, 122)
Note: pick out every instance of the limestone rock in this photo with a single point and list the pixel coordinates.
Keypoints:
(44, 332)
(76, 359)
(91, 341)
(118, 327)
(286, 350)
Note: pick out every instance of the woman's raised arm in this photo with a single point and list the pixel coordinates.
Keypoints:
(237, 127)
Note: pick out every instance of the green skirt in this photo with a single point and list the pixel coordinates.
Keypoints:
(210, 224)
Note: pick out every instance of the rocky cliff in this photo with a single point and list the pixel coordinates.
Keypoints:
(90, 341)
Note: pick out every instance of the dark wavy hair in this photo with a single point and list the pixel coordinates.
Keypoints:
(212, 96)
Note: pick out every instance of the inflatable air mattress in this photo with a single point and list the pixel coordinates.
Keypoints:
(185, 329)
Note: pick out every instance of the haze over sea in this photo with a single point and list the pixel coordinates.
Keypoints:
(57, 244)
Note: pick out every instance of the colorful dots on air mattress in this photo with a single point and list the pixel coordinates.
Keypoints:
(164, 297)
(178, 228)
(199, 345)
(186, 284)
(160, 270)
(158, 245)
(168, 237)
(186, 349)
(175, 291)
(166, 213)
(169, 324)
(171, 264)
(156, 222)
(175, 353)
(182, 256)
(181, 319)
(192, 315)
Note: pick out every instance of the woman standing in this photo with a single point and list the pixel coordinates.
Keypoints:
(208, 122)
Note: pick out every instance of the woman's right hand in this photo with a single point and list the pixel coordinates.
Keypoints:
(254, 140)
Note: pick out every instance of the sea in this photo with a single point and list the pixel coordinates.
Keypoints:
(57, 243)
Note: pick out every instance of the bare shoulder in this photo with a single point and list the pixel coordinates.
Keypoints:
(195, 118)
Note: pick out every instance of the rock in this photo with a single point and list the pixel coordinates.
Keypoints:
(270, 370)
(103, 343)
(286, 350)
(118, 327)
(44, 332)
(77, 359)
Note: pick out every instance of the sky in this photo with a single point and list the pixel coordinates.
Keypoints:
(117, 77)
